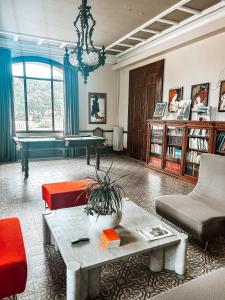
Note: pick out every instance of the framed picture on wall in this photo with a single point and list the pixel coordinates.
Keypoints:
(97, 108)
(221, 106)
(199, 95)
(175, 96)
(184, 110)
(160, 109)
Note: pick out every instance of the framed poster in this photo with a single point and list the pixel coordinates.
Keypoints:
(184, 110)
(97, 108)
(199, 95)
(160, 109)
(221, 106)
(175, 96)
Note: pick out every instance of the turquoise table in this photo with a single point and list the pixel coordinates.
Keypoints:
(28, 144)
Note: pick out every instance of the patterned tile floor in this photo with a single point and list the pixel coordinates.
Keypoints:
(125, 280)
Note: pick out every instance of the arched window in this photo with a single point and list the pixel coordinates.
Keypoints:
(38, 93)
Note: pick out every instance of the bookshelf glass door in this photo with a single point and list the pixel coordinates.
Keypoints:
(220, 142)
(174, 149)
(197, 143)
(156, 146)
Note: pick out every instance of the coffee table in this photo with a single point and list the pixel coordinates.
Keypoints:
(83, 260)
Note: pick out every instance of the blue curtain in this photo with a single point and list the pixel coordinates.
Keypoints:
(7, 118)
(71, 102)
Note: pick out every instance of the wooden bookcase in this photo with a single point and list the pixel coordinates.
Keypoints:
(174, 147)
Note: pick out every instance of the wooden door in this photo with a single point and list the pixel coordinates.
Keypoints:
(145, 90)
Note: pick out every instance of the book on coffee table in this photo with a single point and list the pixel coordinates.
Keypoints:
(151, 233)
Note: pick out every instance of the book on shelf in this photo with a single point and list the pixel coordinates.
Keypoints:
(172, 151)
(198, 132)
(220, 141)
(156, 149)
(192, 170)
(175, 140)
(175, 131)
(193, 156)
(155, 232)
(110, 238)
(198, 144)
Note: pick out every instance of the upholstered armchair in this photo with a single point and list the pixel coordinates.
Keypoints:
(202, 212)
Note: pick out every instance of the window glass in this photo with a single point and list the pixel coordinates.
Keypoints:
(17, 69)
(19, 104)
(39, 104)
(57, 73)
(58, 105)
(38, 70)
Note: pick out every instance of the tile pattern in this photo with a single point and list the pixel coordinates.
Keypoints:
(129, 279)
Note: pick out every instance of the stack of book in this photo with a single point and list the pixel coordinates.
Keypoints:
(110, 238)
(156, 149)
(174, 152)
(198, 144)
(193, 156)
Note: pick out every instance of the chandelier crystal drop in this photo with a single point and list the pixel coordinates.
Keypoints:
(85, 58)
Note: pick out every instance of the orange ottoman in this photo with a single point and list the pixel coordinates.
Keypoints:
(13, 264)
(65, 194)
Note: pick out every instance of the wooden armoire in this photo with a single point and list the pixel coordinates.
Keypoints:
(145, 90)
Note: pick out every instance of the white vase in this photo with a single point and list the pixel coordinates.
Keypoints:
(101, 223)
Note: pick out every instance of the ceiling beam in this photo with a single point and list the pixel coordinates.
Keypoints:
(136, 38)
(151, 21)
(170, 22)
(150, 31)
(40, 42)
(212, 9)
(16, 38)
(125, 45)
(189, 10)
(116, 50)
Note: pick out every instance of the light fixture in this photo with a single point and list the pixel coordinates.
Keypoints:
(85, 58)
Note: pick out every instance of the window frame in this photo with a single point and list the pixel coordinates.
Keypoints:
(51, 63)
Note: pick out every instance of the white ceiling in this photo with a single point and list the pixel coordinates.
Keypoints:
(54, 18)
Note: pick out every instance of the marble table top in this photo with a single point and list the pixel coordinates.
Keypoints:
(70, 224)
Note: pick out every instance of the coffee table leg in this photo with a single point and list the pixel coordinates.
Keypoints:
(181, 254)
(73, 281)
(169, 257)
(156, 260)
(45, 229)
(94, 283)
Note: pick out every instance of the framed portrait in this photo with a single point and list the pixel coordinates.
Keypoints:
(221, 106)
(175, 96)
(184, 110)
(199, 95)
(97, 108)
(160, 109)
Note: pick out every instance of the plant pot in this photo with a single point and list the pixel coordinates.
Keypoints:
(104, 222)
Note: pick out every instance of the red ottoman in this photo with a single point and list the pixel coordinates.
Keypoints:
(65, 194)
(13, 264)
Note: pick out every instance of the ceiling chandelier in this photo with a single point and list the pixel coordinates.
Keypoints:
(85, 58)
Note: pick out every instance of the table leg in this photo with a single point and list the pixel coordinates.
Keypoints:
(73, 281)
(97, 158)
(181, 255)
(94, 283)
(88, 155)
(45, 230)
(156, 260)
(22, 161)
(26, 165)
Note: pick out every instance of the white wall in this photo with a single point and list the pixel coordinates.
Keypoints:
(103, 80)
(203, 61)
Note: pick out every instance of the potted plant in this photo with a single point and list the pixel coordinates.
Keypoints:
(104, 201)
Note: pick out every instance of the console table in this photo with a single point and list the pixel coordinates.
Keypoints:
(28, 144)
